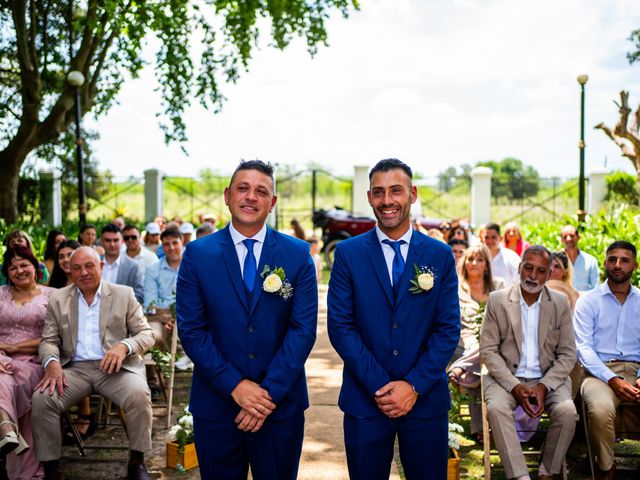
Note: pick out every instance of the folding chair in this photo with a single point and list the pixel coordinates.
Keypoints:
(486, 433)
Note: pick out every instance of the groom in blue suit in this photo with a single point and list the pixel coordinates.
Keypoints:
(246, 306)
(393, 316)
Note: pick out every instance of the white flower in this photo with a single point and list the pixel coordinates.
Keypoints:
(186, 422)
(172, 434)
(272, 283)
(425, 280)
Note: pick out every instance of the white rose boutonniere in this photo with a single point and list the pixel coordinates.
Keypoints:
(423, 280)
(275, 281)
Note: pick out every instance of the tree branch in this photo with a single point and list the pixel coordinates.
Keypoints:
(624, 147)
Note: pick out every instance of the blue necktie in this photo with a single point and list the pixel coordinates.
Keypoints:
(250, 268)
(398, 261)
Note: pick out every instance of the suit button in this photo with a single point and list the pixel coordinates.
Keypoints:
(395, 353)
(250, 329)
(395, 324)
(251, 356)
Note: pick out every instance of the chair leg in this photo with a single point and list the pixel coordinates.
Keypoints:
(486, 435)
(76, 435)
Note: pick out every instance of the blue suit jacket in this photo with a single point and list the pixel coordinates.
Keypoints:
(381, 339)
(228, 338)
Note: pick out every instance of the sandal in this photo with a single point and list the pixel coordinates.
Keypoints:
(12, 441)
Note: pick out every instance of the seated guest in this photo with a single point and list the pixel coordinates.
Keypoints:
(187, 231)
(527, 346)
(608, 342)
(504, 262)
(152, 237)
(458, 247)
(476, 283)
(23, 305)
(118, 267)
(104, 357)
(87, 237)
(204, 230)
(54, 238)
(61, 275)
(513, 238)
(561, 278)
(135, 249)
(20, 237)
(586, 275)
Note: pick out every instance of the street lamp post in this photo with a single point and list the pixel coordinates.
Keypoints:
(582, 80)
(76, 80)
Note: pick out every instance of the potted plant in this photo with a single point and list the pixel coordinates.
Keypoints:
(453, 466)
(181, 451)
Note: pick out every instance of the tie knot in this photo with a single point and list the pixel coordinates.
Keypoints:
(394, 245)
(248, 242)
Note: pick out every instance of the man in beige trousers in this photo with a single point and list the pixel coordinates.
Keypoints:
(608, 341)
(93, 338)
(528, 348)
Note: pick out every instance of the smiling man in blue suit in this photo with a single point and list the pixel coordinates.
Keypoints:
(246, 305)
(394, 319)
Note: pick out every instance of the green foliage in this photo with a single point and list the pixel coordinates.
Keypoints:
(622, 187)
(634, 56)
(512, 179)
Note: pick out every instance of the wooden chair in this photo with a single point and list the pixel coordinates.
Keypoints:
(486, 433)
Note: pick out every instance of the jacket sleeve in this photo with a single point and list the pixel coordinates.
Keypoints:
(343, 331)
(444, 335)
(289, 360)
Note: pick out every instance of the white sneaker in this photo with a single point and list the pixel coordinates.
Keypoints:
(184, 363)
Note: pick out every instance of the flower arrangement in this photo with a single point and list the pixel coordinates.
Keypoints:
(182, 432)
(275, 281)
(454, 437)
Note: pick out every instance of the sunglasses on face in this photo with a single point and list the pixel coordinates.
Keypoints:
(130, 237)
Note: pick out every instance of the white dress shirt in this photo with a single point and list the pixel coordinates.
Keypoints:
(110, 270)
(607, 330)
(89, 346)
(505, 266)
(241, 249)
(529, 366)
(389, 252)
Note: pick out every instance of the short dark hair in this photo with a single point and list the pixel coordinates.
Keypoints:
(538, 250)
(22, 252)
(624, 245)
(170, 233)
(390, 164)
(129, 226)
(259, 165)
(110, 228)
(492, 226)
(458, 241)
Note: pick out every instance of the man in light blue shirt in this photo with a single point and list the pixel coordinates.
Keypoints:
(160, 278)
(607, 334)
(586, 275)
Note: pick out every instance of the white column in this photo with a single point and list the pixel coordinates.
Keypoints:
(359, 189)
(153, 194)
(597, 190)
(481, 195)
(50, 198)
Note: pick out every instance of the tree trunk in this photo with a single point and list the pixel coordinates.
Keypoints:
(9, 174)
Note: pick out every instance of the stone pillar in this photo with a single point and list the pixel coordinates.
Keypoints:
(597, 190)
(50, 198)
(481, 195)
(153, 194)
(359, 189)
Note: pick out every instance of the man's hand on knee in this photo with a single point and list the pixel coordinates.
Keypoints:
(247, 422)
(54, 379)
(624, 390)
(112, 360)
(253, 398)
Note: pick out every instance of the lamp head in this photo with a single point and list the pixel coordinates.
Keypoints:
(582, 79)
(75, 78)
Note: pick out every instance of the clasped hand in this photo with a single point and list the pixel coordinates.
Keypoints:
(531, 399)
(396, 399)
(256, 405)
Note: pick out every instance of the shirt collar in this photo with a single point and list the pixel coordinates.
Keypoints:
(96, 296)
(524, 304)
(237, 237)
(116, 263)
(406, 237)
(605, 290)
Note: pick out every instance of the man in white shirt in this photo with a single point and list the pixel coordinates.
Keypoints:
(586, 275)
(120, 268)
(608, 342)
(504, 262)
(518, 321)
(135, 250)
(92, 341)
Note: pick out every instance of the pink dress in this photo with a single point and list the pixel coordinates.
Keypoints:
(19, 323)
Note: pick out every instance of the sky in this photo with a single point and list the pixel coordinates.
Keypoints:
(434, 83)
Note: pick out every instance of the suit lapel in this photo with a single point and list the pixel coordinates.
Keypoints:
(230, 258)
(105, 309)
(546, 310)
(266, 257)
(515, 316)
(379, 265)
(413, 256)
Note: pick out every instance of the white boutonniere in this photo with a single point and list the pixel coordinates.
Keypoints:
(423, 280)
(275, 281)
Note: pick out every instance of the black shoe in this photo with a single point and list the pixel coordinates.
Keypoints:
(155, 393)
(137, 471)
